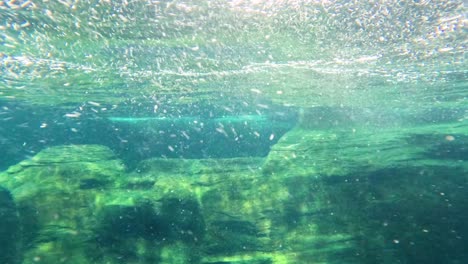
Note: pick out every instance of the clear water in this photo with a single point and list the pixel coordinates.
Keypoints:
(248, 131)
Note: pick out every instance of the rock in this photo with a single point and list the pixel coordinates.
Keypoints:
(185, 219)
(57, 193)
(9, 229)
(335, 152)
(368, 195)
(148, 230)
(197, 167)
(307, 209)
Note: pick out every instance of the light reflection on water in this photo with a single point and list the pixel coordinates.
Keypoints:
(75, 49)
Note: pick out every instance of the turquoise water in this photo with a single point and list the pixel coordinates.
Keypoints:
(237, 131)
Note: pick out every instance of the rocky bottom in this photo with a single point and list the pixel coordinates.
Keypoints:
(319, 197)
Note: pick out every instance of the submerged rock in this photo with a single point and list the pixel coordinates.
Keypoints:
(326, 152)
(9, 228)
(55, 210)
(362, 196)
(372, 195)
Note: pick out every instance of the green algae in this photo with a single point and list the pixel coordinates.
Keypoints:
(361, 194)
(344, 151)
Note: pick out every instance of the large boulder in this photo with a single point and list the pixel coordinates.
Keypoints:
(77, 204)
(57, 193)
(372, 195)
(333, 152)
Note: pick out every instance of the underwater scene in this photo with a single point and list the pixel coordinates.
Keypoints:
(233, 132)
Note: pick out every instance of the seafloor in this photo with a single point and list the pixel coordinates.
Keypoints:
(395, 195)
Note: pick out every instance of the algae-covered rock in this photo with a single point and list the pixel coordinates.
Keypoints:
(163, 221)
(72, 165)
(369, 203)
(229, 196)
(369, 196)
(197, 167)
(316, 152)
(9, 228)
(76, 206)
(146, 231)
(56, 192)
(74, 153)
(120, 222)
(185, 219)
(251, 258)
